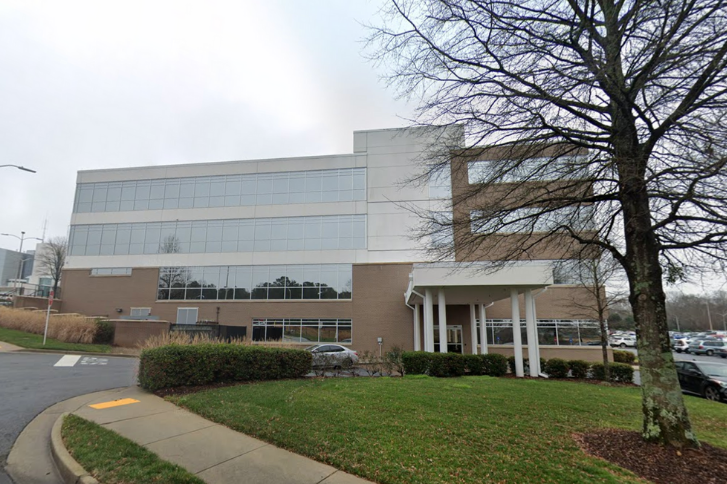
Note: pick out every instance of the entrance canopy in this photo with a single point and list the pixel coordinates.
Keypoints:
(476, 282)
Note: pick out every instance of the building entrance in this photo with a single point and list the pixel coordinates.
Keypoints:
(454, 339)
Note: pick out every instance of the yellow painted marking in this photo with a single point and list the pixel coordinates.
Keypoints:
(115, 403)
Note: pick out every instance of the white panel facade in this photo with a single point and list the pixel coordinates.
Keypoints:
(390, 158)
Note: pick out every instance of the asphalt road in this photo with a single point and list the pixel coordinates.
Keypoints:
(30, 383)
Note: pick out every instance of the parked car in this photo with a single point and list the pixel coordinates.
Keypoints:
(705, 346)
(326, 355)
(623, 341)
(706, 379)
(721, 352)
(679, 345)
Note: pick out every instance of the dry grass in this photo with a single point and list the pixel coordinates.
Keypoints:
(182, 338)
(67, 328)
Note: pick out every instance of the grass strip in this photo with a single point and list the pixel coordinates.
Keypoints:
(35, 341)
(113, 459)
(430, 430)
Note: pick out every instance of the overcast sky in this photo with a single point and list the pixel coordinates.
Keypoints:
(102, 84)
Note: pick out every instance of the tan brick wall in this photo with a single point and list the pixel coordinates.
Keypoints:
(20, 302)
(466, 197)
(378, 307)
(131, 334)
(557, 302)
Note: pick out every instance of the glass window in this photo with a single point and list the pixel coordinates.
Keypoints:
(308, 331)
(217, 191)
(237, 235)
(325, 281)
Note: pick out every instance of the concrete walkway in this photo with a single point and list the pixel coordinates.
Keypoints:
(214, 453)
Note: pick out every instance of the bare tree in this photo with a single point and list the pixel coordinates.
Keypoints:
(51, 259)
(593, 300)
(610, 130)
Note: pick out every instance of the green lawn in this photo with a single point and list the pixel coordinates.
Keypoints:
(35, 341)
(427, 430)
(113, 459)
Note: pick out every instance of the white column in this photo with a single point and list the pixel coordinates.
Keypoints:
(428, 321)
(537, 347)
(516, 337)
(417, 333)
(532, 334)
(473, 328)
(483, 330)
(442, 321)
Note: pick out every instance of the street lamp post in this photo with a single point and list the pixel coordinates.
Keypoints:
(22, 239)
(709, 316)
(19, 168)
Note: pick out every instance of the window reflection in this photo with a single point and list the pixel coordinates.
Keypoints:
(294, 282)
(338, 185)
(216, 236)
(306, 331)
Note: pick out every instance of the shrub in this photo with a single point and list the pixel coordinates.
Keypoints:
(556, 368)
(578, 368)
(190, 365)
(394, 360)
(104, 332)
(475, 364)
(446, 364)
(495, 364)
(511, 363)
(597, 371)
(453, 364)
(416, 362)
(621, 372)
(620, 356)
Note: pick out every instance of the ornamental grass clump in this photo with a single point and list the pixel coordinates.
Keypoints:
(67, 328)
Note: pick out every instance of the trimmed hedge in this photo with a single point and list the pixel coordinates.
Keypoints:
(526, 364)
(578, 368)
(620, 356)
(189, 365)
(557, 368)
(621, 372)
(453, 364)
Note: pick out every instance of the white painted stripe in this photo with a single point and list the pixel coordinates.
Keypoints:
(68, 360)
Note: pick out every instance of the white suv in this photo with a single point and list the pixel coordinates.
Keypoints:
(623, 341)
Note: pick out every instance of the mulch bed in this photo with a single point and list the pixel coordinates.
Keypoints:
(654, 462)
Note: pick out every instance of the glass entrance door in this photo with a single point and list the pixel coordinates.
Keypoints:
(454, 339)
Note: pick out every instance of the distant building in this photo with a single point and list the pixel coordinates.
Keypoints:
(14, 264)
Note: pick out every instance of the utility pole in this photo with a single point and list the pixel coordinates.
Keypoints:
(709, 316)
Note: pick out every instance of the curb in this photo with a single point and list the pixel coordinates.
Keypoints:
(70, 470)
(81, 353)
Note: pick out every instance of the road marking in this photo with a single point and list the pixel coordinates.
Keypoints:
(114, 403)
(91, 360)
(68, 360)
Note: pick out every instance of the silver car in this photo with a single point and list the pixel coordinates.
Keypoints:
(335, 356)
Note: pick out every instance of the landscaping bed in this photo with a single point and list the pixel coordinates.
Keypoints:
(35, 341)
(113, 459)
(433, 430)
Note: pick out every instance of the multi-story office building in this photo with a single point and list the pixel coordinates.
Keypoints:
(300, 250)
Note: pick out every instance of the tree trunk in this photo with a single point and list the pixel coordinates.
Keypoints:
(665, 416)
(604, 348)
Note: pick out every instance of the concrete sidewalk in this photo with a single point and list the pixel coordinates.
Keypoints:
(214, 453)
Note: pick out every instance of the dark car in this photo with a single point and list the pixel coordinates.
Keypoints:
(706, 379)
